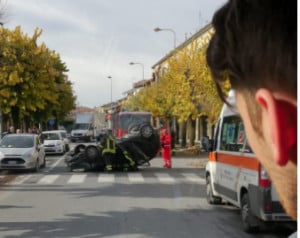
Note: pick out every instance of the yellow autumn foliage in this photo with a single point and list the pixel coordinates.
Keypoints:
(29, 75)
(185, 91)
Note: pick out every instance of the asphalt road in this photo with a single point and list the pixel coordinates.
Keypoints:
(153, 202)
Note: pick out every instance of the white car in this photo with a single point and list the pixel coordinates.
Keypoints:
(55, 142)
(22, 152)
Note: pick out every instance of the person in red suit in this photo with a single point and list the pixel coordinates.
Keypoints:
(166, 148)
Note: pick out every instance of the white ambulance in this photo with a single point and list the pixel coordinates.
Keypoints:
(234, 175)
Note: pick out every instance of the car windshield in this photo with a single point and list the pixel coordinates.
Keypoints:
(81, 126)
(63, 134)
(50, 136)
(17, 142)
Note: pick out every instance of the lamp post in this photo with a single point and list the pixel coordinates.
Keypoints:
(133, 63)
(110, 88)
(110, 112)
(157, 29)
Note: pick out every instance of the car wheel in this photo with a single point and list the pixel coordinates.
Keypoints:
(92, 153)
(250, 223)
(146, 131)
(211, 199)
(79, 148)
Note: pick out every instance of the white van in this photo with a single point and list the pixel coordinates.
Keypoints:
(233, 173)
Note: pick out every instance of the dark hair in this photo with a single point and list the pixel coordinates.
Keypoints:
(255, 45)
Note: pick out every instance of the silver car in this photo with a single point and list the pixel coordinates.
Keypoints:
(22, 152)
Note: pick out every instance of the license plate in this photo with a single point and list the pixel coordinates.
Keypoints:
(12, 162)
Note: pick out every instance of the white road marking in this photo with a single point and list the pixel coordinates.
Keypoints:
(110, 178)
(194, 178)
(48, 169)
(164, 178)
(106, 178)
(20, 179)
(136, 178)
(77, 178)
(48, 179)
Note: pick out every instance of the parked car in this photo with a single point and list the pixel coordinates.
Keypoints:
(22, 152)
(55, 142)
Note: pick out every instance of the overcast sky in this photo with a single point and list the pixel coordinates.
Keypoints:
(99, 38)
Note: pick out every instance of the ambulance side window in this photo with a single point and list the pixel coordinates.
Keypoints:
(233, 135)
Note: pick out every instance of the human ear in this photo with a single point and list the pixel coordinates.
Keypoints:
(281, 118)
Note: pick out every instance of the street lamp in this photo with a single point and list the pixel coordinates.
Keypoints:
(110, 88)
(110, 112)
(133, 63)
(157, 29)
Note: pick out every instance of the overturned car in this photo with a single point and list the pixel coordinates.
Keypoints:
(141, 143)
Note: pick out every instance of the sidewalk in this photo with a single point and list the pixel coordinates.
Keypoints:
(196, 160)
(184, 158)
(188, 153)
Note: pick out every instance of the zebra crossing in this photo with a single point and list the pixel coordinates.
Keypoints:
(131, 178)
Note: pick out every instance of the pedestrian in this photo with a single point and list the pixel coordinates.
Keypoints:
(255, 47)
(18, 131)
(11, 130)
(108, 146)
(34, 130)
(166, 141)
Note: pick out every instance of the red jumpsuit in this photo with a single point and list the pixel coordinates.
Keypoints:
(166, 149)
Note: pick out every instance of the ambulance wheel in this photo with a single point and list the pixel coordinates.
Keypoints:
(250, 222)
(211, 199)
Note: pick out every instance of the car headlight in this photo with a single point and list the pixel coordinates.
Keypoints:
(59, 143)
(1, 155)
(28, 154)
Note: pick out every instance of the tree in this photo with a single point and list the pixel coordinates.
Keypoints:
(32, 78)
(185, 91)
